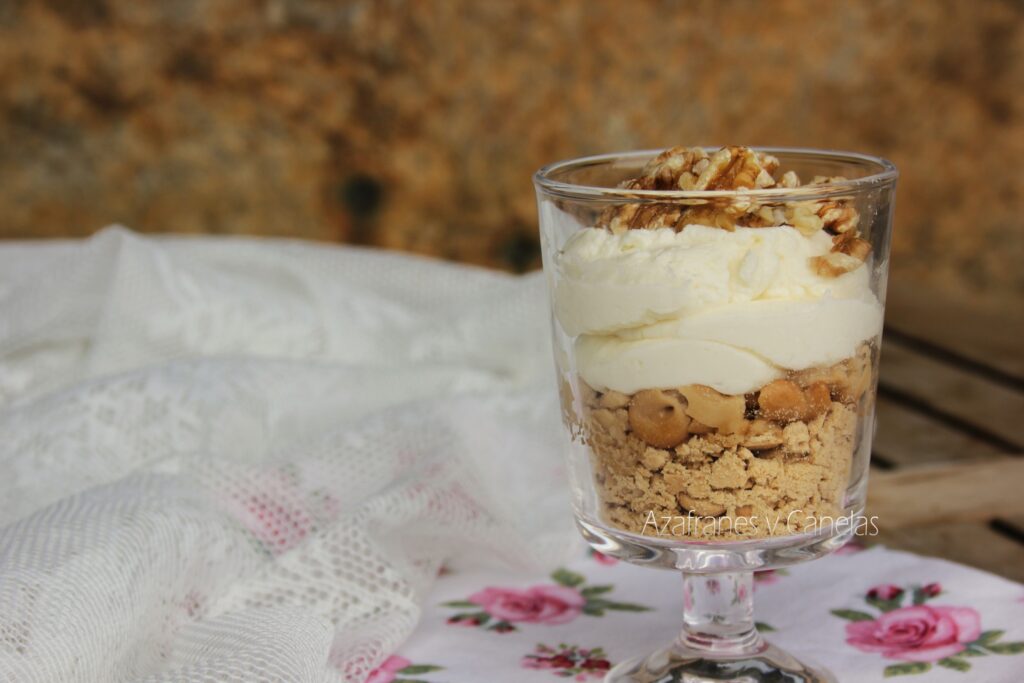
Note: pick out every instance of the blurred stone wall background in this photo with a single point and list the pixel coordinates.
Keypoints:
(417, 125)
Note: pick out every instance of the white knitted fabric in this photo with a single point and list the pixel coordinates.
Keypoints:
(246, 460)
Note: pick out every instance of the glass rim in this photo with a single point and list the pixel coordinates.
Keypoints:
(886, 173)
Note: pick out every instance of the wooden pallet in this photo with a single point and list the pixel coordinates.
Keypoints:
(947, 474)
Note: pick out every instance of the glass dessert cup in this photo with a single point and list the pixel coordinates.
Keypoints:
(716, 324)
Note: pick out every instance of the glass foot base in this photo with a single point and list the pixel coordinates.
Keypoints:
(678, 664)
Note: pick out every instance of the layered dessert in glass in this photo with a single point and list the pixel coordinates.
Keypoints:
(717, 357)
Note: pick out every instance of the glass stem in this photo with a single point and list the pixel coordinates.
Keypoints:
(718, 614)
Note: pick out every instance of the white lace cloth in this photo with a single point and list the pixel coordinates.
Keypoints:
(245, 460)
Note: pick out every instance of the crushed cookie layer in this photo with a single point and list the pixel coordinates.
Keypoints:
(780, 458)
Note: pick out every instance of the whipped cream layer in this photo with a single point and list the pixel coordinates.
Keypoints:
(731, 310)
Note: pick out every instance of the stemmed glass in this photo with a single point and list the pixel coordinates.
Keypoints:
(716, 322)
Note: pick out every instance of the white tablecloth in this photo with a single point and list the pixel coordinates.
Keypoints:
(247, 460)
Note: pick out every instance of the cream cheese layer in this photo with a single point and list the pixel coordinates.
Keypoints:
(730, 310)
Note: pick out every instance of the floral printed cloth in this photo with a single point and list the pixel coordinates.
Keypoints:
(868, 615)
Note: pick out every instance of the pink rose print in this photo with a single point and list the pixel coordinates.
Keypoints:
(885, 592)
(918, 633)
(569, 661)
(388, 671)
(500, 609)
(395, 669)
(537, 605)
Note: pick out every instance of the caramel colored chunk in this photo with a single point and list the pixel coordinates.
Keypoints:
(719, 411)
(658, 418)
(847, 381)
(819, 398)
(782, 400)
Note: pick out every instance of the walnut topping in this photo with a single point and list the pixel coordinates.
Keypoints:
(804, 217)
(851, 246)
(834, 264)
(848, 253)
(691, 168)
(790, 179)
(728, 168)
(618, 219)
(673, 169)
(712, 216)
(838, 216)
(733, 168)
(740, 168)
(834, 215)
(826, 180)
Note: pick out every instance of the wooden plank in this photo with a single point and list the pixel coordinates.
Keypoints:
(963, 399)
(964, 326)
(951, 392)
(973, 544)
(907, 437)
(941, 494)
